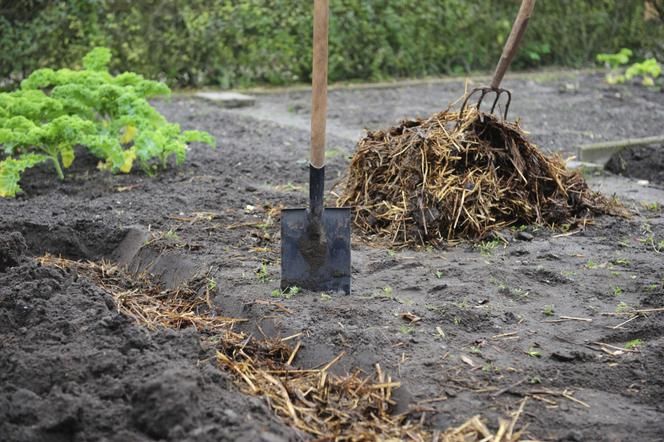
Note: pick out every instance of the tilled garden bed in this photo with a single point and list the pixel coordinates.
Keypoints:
(565, 326)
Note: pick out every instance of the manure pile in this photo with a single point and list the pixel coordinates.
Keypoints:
(442, 179)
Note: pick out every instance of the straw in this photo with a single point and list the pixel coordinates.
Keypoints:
(439, 179)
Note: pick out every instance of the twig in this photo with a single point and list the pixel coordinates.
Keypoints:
(572, 318)
(625, 322)
(573, 399)
(650, 310)
(288, 338)
(430, 401)
(604, 344)
(506, 389)
(292, 356)
(503, 335)
(510, 431)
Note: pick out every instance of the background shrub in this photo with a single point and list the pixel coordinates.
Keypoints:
(232, 43)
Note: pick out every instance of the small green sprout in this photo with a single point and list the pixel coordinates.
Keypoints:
(172, 235)
(486, 248)
(262, 273)
(534, 353)
(633, 344)
(287, 293)
(490, 367)
(617, 291)
(406, 329)
(548, 310)
(211, 284)
(652, 207)
(623, 307)
(439, 274)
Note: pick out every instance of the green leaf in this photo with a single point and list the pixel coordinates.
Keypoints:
(67, 155)
(97, 59)
(191, 136)
(39, 79)
(54, 111)
(11, 170)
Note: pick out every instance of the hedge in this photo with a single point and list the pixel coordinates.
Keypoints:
(232, 43)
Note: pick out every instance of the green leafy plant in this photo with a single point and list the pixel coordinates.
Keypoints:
(533, 353)
(614, 63)
(591, 264)
(634, 343)
(622, 262)
(623, 307)
(648, 70)
(287, 293)
(55, 111)
(486, 248)
(406, 329)
(548, 310)
(262, 273)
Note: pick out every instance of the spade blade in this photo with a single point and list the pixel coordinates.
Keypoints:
(322, 266)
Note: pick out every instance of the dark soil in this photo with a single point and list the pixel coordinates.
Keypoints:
(73, 369)
(492, 328)
(643, 162)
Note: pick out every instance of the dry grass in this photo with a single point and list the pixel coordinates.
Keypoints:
(440, 179)
(354, 407)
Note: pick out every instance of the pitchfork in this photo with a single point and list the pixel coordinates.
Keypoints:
(509, 51)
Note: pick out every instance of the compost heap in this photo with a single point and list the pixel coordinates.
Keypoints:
(448, 178)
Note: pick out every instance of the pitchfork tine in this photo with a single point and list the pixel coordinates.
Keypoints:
(509, 51)
(484, 91)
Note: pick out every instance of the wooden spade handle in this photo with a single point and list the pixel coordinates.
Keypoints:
(513, 41)
(319, 83)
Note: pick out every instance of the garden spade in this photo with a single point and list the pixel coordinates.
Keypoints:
(315, 242)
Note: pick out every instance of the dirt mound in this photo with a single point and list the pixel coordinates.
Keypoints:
(644, 162)
(441, 178)
(73, 368)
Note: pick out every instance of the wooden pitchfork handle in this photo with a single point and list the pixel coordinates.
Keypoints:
(513, 42)
(509, 51)
(319, 83)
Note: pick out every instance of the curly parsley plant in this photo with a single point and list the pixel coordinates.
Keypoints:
(53, 112)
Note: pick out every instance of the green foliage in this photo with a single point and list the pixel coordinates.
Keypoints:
(244, 42)
(11, 170)
(616, 60)
(55, 111)
(633, 344)
(648, 70)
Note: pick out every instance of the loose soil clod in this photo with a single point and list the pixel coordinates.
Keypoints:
(443, 179)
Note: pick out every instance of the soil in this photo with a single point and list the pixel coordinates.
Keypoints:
(644, 162)
(494, 319)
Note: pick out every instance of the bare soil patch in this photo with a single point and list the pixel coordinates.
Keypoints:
(571, 321)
